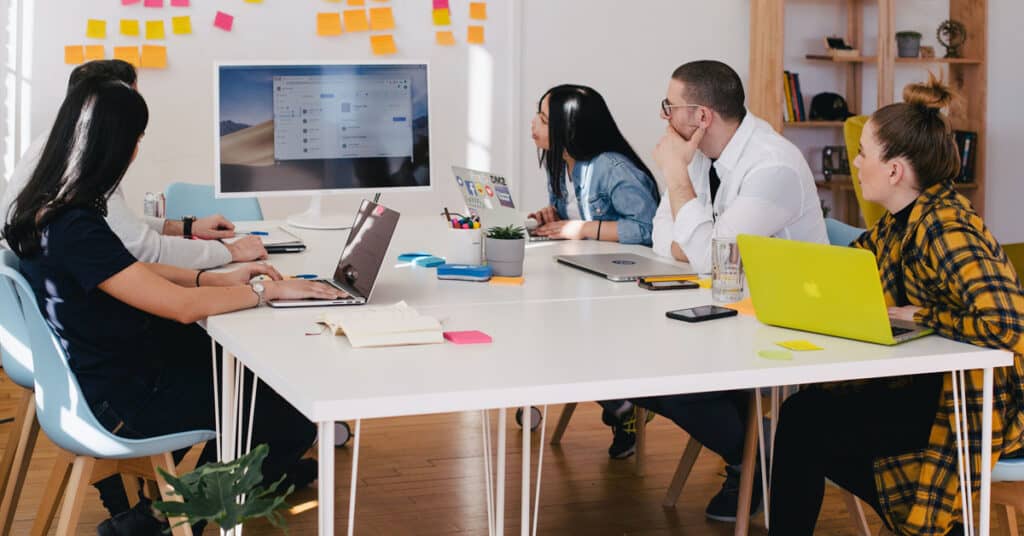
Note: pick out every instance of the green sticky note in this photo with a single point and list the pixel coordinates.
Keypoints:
(776, 355)
(799, 345)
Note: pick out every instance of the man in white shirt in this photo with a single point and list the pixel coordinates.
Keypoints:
(148, 239)
(728, 173)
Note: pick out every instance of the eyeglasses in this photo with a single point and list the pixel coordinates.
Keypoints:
(666, 107)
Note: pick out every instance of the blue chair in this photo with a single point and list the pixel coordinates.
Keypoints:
(90, 452)
(841, 234)
(16, 356)
(186, 199)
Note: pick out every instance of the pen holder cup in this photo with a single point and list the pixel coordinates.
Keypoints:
(464, 246)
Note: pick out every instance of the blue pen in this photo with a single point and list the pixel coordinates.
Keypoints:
(255, 233)
(305, 276)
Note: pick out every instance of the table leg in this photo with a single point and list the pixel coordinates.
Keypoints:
(485, 422)
(325, 477)
(749, 461)
(499, 514)
(525, 509)
(986, 452)
(229, 417)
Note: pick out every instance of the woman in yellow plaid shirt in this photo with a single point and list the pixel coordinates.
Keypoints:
(891, 441)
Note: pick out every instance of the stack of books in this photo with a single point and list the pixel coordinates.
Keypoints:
(966, 143)
(794, 98)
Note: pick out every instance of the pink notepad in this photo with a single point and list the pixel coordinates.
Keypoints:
(467, 337)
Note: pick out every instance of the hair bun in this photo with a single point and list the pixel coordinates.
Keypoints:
(933, 94)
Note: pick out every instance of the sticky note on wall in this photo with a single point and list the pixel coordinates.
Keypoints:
(445, 38)
(128, 54)
(357, 2)
(442, 17)
(129, 27)
(478, 10)
(181, 25)
(383, 45)
(154, 3)
(96, 29)
(441, 4)
(129, 2)
(328, 24)
(224, 21)
(475, 35)
(74, 54)
(155, 29)
(381, 18)
(95, 52)
(180, 3)
(153, 57)
(356, 21)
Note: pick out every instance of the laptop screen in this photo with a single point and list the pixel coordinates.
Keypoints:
(366, 247)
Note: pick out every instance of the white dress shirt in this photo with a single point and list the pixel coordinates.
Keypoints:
(767, 189)
(141, 236)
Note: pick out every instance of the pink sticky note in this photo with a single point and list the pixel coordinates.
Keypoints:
(129, 2)
(440, 4)
(180, 3)
(224, 21)
(154, 3)
(467, 337)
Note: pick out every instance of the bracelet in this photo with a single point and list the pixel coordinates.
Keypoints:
(199, 273)
(599, 222)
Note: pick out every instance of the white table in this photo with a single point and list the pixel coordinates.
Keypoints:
(564, 336)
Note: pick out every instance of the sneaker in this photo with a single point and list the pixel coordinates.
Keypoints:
(723, 506)
(302, 474)
(623, 431)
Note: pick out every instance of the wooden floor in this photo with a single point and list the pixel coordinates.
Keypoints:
(424, 475)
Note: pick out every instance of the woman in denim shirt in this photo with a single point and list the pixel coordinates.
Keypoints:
(610, 194)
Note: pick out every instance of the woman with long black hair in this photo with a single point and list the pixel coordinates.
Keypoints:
(598, 187)
(128, 327)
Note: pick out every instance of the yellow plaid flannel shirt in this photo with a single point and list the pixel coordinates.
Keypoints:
(955, 270)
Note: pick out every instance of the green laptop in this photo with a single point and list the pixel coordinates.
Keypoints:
(833, 290)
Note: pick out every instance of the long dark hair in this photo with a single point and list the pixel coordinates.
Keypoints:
(87, 154)
(580, 124)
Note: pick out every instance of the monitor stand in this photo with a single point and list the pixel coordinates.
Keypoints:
(314, 218)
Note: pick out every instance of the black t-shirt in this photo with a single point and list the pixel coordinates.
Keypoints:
(108, 342)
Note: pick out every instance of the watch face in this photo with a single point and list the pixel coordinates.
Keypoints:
(258, 287)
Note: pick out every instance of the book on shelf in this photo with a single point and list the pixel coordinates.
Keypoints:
(966, 143)
(794, 98)
(392, 325)
(788, 114)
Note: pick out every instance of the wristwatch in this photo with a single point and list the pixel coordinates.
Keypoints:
(258, 288)
(186, 224)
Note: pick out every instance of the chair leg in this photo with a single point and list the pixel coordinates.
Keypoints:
(131, 488)
(856, 510)
(641, 438)
(21, 446)
(686, 463)
(166, 462)
(13, 440)
(78, 485)
(749, 464)
(1010, 521)
(563, 422)
(55, 487)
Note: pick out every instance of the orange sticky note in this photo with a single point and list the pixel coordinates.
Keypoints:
(357, 2)
(181, 25)
(356, 21)
(155, 29)
(383, 45)
(129, 27)
(73, 54)
(476, 35)
(381, 18)
(442, 17)
(95, 52)
(253, 1)
(478, 10)
(128, 54)
(744, 307)
(96, 29)
(445, 38)
(328, 24)
(154, 57)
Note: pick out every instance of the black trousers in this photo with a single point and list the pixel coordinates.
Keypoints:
(837, 434)
(718, 420)
(182, 400)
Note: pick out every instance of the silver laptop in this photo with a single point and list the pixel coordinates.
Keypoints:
(489, 197)
(623, 266)
(361, 258)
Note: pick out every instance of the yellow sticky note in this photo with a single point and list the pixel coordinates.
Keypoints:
(499, 280)
(476, 35)
(328, 24)
(95, 52)
(96, 29)
(73, 54)
(478, 10)
(155, 29)
(383, 45)
(381, 18)
(253, 1)
(356, 21)
(704, 283)
(154, 57)
(799, 345)
(181, 25)
(442, 17)
(357, 2)
(445, 38)
(776, 355)
(744, 307)
(129, 27)
(128, 54)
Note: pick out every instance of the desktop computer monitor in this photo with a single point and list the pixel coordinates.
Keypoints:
(320, 128)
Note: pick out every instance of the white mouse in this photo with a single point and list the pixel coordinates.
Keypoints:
(531, 224)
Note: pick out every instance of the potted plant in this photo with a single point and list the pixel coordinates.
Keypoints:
(212, 493)
(908, 44)
(504, 249)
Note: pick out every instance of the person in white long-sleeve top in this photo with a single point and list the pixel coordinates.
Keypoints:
(149, 239)
(727, 173)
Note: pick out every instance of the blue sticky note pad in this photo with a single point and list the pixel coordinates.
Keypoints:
(464, 272)
(410, 257)
(428, 262)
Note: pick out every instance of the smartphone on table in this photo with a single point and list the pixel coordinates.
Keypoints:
(668, 285)
(701, 313)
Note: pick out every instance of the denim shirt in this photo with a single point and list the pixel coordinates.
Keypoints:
(609, 187)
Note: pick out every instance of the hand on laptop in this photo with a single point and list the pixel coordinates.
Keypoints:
(301, 289)
(905, 313)
(567, 229)
(241, 276)
(545, 215)
(213, 228)
(247, 249)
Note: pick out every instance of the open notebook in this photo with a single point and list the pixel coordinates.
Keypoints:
(392, 325)
(275, 239)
